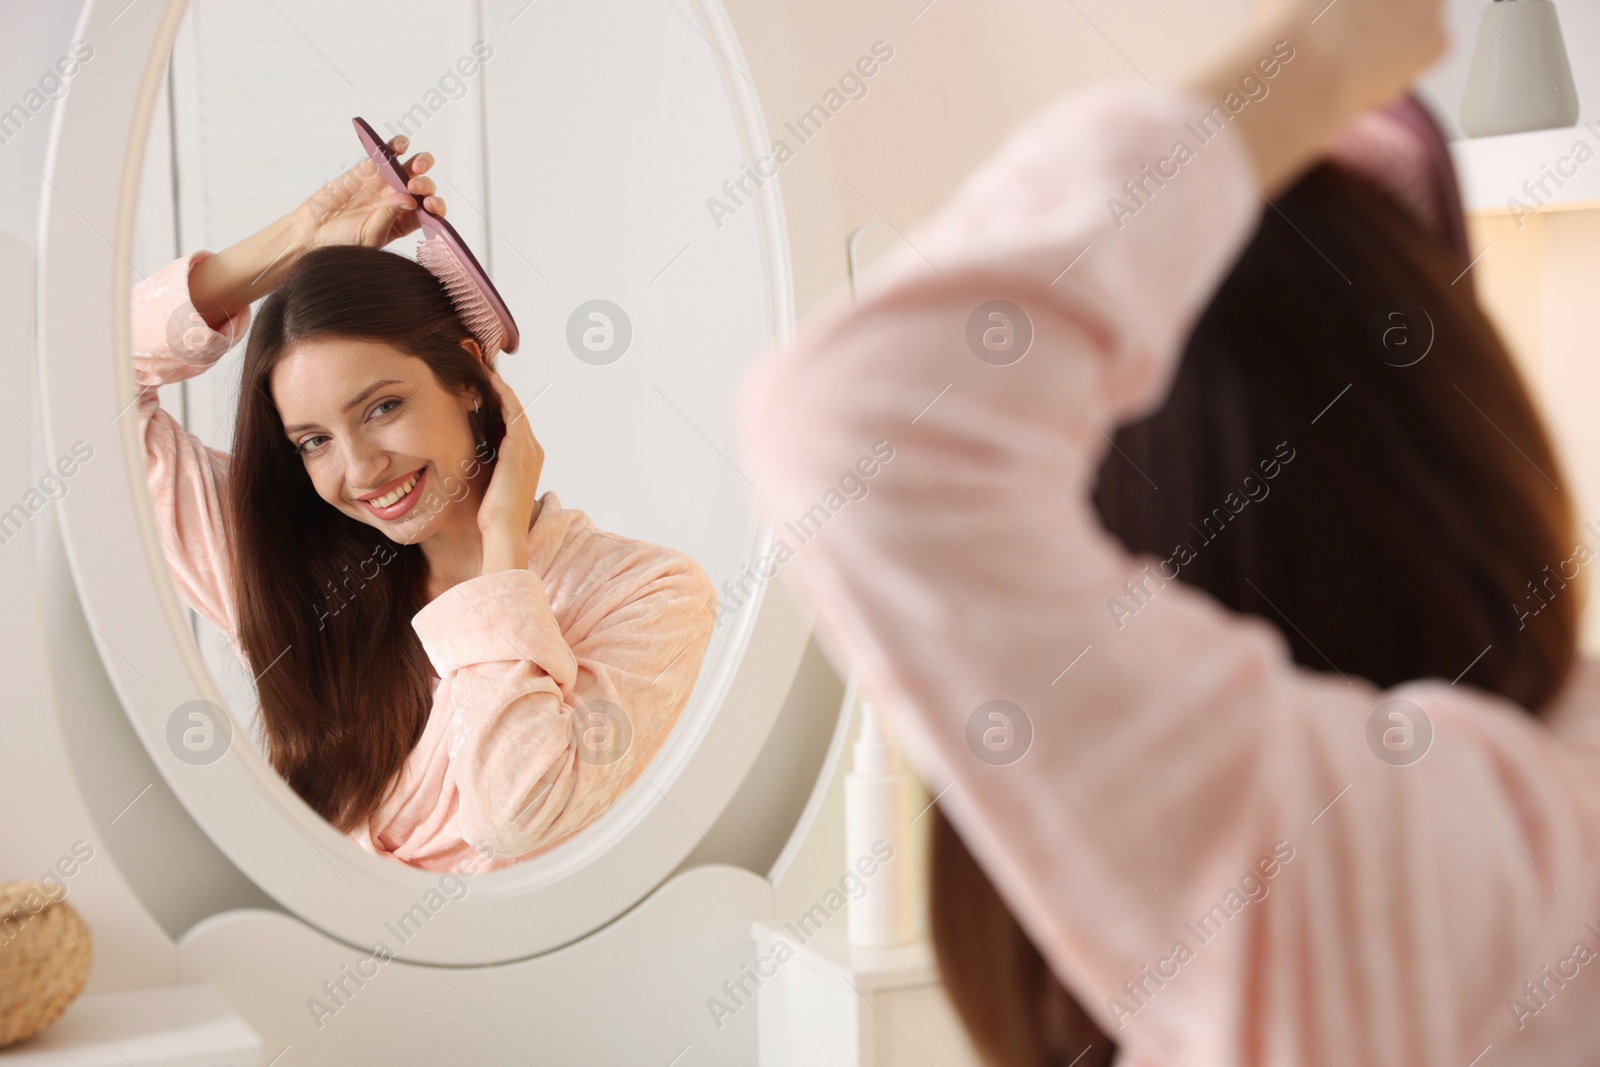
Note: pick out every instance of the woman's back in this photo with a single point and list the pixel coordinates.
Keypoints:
(1324, 456)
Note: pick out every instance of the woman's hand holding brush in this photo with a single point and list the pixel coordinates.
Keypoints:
(356, 207)
(359, 207)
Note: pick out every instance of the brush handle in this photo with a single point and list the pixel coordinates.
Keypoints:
(387, 162)
(389, 166)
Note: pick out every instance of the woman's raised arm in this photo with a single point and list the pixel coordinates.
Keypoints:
(356, 207)
(185, 476)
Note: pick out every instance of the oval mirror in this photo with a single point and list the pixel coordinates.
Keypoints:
(578, 149)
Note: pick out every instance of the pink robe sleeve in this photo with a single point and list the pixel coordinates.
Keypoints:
(186, 477)
(1196, 833)
(548, 728)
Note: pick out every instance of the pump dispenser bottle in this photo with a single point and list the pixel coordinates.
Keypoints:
(875, 838)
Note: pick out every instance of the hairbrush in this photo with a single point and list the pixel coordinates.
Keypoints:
(447, 257)
(1401, 147)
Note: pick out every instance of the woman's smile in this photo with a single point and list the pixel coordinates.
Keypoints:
(397, 499)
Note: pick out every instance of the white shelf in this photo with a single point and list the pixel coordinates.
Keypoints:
(1493, 170)
(170, 1026)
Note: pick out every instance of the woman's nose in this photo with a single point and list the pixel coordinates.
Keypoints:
(365, 468)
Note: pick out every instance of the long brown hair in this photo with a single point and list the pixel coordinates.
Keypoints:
(324, 602)
(1417, 514)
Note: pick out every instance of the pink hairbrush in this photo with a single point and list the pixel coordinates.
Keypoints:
(1401, 147)
(448, 258)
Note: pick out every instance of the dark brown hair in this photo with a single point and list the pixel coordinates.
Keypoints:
(324, 601)
(1405, 534)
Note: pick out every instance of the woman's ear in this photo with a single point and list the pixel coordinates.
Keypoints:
(470, 399)
(471, 345)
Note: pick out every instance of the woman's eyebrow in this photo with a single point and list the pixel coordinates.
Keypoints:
(368, 391)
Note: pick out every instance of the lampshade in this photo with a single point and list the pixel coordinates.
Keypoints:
(1520, 78)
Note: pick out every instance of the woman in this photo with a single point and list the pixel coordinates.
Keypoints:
(1396, 568)
(1221, 837)
(456, 672)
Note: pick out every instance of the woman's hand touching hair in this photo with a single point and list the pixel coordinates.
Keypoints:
(356, 208)
(507, 509)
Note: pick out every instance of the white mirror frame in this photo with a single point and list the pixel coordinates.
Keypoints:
(88, 213)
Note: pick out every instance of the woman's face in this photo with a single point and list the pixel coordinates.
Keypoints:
(382, 440)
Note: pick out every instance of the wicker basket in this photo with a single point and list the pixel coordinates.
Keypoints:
(44, 959)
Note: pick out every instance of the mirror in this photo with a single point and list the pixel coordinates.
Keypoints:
(577, 154)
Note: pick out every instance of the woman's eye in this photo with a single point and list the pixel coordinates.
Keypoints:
(309, 445)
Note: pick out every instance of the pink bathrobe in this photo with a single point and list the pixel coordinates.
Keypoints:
(1198, 835)
(500, 770)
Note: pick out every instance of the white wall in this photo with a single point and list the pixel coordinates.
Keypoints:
(33, 34)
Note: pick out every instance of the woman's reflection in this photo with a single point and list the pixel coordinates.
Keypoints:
(454, 671)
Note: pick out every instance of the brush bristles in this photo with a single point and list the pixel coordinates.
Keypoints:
(469, 301)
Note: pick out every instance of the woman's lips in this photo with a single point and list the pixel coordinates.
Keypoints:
(404, 504)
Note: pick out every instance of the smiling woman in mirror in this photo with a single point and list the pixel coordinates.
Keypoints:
(456, 672)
